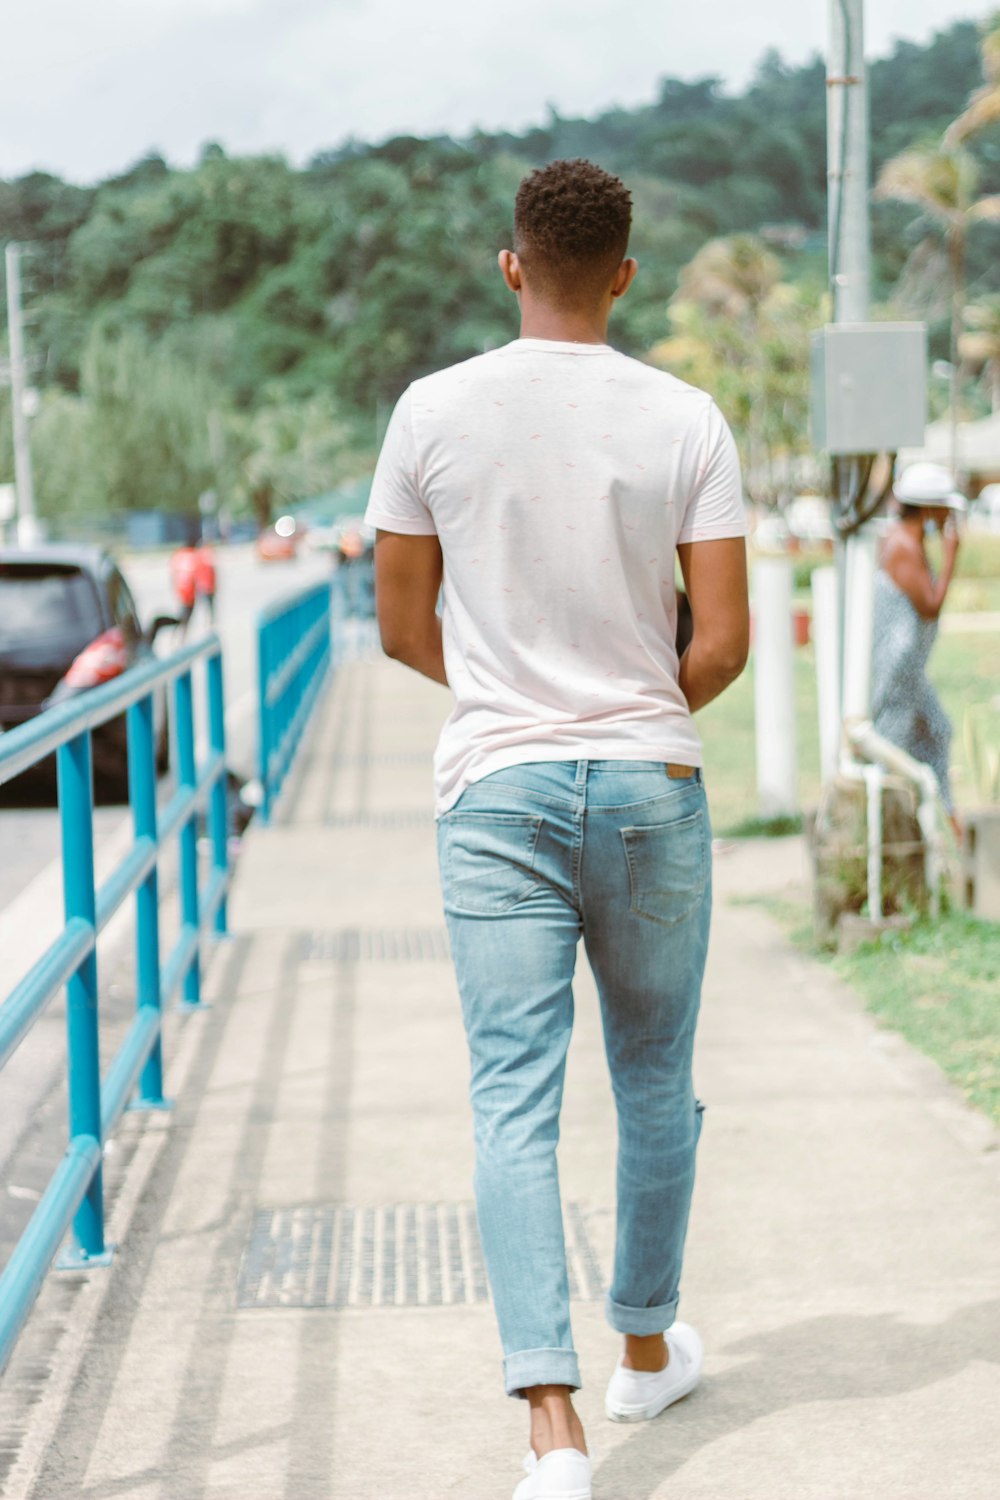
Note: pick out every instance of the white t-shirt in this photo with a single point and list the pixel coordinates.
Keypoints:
(559, 478)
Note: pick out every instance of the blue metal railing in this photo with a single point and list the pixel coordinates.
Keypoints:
(293, 658)
(74, 1196)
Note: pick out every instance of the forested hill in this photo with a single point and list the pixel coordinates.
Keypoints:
(345, 279)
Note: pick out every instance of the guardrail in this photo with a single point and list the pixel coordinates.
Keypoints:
(293, 658)
(75, 1195)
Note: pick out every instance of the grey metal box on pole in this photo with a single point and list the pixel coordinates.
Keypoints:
(869, 387)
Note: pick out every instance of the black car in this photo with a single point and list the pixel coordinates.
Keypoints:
(68, 622)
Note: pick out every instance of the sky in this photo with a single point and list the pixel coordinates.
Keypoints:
(90, 87)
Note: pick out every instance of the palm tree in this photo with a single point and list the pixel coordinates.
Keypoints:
(741, 331)
(980, 343)
(734, 276)
(942, 182)
(983, 108)
(729, 283)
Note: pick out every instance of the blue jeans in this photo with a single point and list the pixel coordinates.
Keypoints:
(532, 858)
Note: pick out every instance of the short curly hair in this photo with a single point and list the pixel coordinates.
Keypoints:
(571, 229)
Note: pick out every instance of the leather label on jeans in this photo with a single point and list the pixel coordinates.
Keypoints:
(679, 773)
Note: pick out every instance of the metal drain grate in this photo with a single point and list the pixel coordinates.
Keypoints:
(404, 817)
(393, 1255)
(348, 945)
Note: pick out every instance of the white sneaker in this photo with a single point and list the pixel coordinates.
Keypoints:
(563, 1474)
(637, 1395)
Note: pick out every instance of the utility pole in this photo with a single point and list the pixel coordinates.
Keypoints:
(28, 530)
(847, 163)
(869, 399)
(850, 286)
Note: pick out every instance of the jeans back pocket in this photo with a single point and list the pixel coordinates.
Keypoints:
(668, 867)
(487, 860)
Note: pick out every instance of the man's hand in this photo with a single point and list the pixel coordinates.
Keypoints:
(408, 571)
(715, 577)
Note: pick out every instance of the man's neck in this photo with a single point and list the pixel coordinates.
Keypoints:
(565, 327)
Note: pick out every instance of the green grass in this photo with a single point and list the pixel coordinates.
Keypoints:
(965, 669)
(937, 983)
(973, 595)
(727, 730)
(780, 827)
(979, 556)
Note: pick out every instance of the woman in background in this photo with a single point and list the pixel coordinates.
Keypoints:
(908, 601)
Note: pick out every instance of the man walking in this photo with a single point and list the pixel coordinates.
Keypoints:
(550, 485)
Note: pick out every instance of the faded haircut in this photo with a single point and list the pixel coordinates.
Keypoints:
(571, 228)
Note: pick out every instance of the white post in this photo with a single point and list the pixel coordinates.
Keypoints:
(774, 687)
(27, 523)
(826, 637)
(850, 286)
(873, 786)
(859, 603)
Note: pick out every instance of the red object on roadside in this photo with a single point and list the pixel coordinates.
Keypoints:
(104, 658)
(204, 570)
(183, 574)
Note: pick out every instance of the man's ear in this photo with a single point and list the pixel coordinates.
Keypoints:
(625, 277)
(510, 269)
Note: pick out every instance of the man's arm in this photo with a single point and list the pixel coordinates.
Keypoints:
(715, 577)
(408, 571)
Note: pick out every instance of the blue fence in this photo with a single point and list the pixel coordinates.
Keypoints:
(293, 653)
(74, 1196)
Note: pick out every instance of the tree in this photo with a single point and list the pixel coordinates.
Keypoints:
(942, 183)
(286, 452)
(983, 108)
(742, 332)
(243, 286)
(146, 432)
(979, 344)
(734, 276)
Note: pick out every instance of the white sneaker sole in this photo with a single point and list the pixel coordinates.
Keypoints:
(646, 1410)
(565, 1494)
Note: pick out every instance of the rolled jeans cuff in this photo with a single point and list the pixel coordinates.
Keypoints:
(540, 1367)
(640, 1320)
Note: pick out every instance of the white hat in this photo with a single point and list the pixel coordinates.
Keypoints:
(928, 484)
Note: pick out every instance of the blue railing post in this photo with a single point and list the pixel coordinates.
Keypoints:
(76, 800)
(264, 721)
(293, 659)
(187, 781)
(220, 792)
(142, 790)
(74, 1196)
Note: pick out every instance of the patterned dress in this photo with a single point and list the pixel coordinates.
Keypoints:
(905, 708)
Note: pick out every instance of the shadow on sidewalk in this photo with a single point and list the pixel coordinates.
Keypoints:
(830, 1358)
(183, 1468)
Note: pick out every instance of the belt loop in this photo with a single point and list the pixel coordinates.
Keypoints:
(582, 767)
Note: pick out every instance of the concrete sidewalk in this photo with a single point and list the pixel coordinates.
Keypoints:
(298, 1308)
